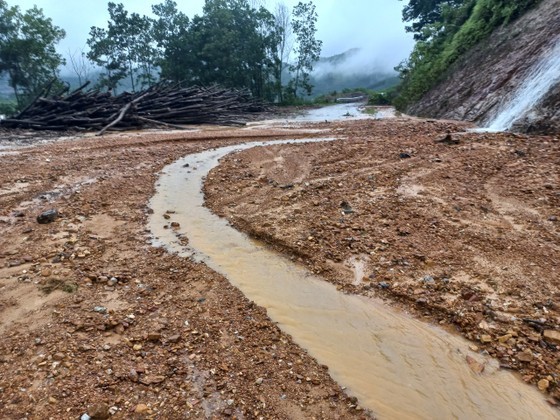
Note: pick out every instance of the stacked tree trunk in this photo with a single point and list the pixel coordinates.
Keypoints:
(161, 105)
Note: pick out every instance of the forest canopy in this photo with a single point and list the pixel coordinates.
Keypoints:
(233, 43)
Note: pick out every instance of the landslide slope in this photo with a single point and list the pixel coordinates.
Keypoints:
(480, 83)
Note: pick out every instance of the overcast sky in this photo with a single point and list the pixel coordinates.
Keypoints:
(373, 25)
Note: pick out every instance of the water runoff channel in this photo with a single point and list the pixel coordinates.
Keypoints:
(397, 366)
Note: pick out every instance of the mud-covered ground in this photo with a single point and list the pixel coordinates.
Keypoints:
(461, 229)
(95, 320)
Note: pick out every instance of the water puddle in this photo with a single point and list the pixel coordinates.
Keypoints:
(336, 112)
(397, 366)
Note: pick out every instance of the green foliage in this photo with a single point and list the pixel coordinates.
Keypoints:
(234, 43)
(382, 98)
(27, 50)
(308, 48)
(169, 32)
(8, 107)
(448, 32)
(251, 37)
(124, 49)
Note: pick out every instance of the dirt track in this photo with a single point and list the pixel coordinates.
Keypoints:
(462, 234)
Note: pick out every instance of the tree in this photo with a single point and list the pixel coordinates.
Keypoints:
(308, 49)
(27, 50)
(285, 45)
(250, 36)
(124, 49)
(80, 65)
(170, 32)
(424, 15)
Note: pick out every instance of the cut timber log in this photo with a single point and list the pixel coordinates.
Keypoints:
(164, 104)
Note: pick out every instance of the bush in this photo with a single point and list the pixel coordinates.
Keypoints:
(8, 108)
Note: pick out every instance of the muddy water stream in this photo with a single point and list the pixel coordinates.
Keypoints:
(397, 366)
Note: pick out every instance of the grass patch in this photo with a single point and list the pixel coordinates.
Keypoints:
(57, 284)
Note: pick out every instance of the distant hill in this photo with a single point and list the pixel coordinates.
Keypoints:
(351, 69)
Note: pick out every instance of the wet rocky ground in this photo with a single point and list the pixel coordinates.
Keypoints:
(459, 228)
(96, 321)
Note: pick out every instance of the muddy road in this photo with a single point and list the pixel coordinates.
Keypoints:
(97, 320)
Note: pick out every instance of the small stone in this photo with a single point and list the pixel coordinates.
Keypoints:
(59, 356)
(405, 155)
(485, 338)
(99, 412)
(52, 400)
(154, 336)
(504, 338)
(552, 335)
(259, 381)
(175, 225)
(152, 379)
(85, 416)
(473, 348)
(47, 216)
(525, 356)
(100, 309)
(475, 366)
(543, 384)
(137, 347)
(141, 408)
(174, 338)
(166, 216)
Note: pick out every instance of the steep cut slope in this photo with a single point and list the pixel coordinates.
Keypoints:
(484, 81)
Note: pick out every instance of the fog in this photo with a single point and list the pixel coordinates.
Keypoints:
(373, 26)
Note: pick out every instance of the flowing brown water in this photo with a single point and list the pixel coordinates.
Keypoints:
(397, 366)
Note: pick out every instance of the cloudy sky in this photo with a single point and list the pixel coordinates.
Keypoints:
(373, 25)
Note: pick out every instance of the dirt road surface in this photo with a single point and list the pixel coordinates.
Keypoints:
(462, 232)
(459, 228)
(96, 320)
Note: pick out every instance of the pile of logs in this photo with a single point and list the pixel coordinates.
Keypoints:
(162, 105)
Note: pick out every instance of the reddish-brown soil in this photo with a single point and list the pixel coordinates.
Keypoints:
(95, 320)
(462, 230)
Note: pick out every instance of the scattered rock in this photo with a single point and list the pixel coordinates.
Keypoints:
(552, 335)
(152, 379)
(48, 216)
(154, 336)
(405, 155)
(447, 139)
(346, 208)
(100, 309)
(141, 409)
(475, 366)
(526, 356)
(543, 384)
(485, 338)
(99, 412)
